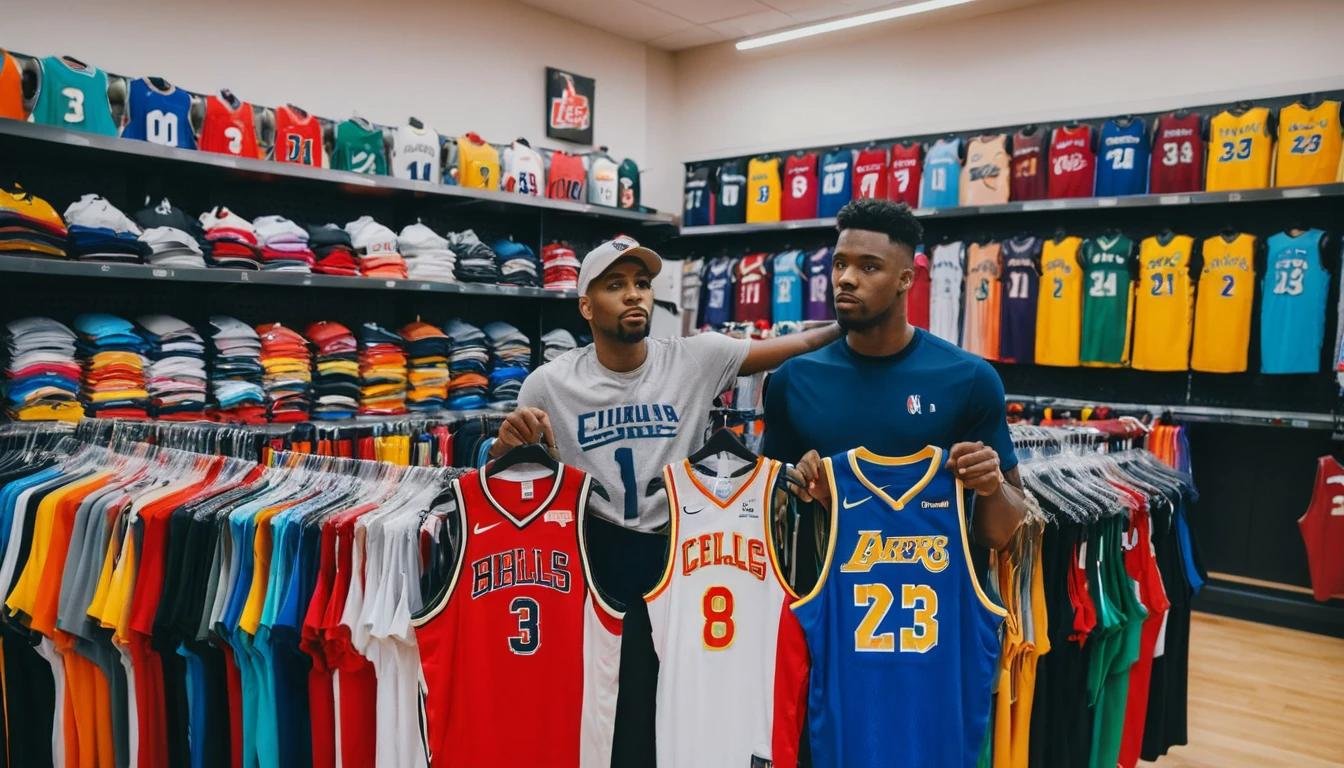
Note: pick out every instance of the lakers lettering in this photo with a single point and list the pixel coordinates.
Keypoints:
(874, 549)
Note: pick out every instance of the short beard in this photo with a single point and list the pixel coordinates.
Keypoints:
(861, 324)
(628, 337)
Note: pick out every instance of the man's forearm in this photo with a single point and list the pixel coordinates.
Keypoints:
(998, 515)
(769, 354)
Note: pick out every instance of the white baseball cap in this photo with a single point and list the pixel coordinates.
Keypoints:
(601, 258)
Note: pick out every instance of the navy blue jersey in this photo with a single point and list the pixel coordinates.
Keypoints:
(837, 184)
(1122, 158)
(730, 195)
(904, 642)
(1017, 306)
(716, 293)
(696, 209)
(160, 117)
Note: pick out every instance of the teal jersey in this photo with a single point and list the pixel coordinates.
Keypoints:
(359, 149)
(1107, 299)
(73, 98)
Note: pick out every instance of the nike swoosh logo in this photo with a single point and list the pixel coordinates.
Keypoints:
(689, 512)
(478, 528)
(847, 505)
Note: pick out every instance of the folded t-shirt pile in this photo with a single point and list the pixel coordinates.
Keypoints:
(382, 371)
(233, 239)
(284, 245)
(236, 372)
(428, 349)
(336, 378)
(467, 366)
(176, 239)
(30, 226)
(511, 355)
(427, 254)
(556, 343)
(177, 378)
(99, 231)
(331, 246)
(376, 246)
(42, 377)
(288, 379)
(475, 261)
(114, 367)
(517, 263)
(560, 267)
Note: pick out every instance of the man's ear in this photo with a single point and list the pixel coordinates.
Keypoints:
(586, 308)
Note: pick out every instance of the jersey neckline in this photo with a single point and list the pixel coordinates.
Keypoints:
(929, 453)
(690, 472)
(542, 507)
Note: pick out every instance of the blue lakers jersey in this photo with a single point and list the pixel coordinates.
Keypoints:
(1292, 304)
(159, 116)
(787, 298)
(837, 184)
(903, 640)
(942, 175)
(1123, 165)
(716, 298)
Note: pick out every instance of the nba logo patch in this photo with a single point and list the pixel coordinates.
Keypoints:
(562, 516)
(912, 405)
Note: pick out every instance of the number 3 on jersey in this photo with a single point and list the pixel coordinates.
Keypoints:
(877, 598)
(528, 639)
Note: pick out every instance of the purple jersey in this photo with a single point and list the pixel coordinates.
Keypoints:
(716, 293)
(817, 272)
(1017, 318)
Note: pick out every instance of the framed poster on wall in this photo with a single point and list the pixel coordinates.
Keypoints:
(569, 106)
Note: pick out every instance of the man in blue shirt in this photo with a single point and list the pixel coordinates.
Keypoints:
(889, 386)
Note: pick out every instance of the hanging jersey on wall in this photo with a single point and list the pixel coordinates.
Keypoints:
(942, 175)
(1108, 299)
(11, 88)
(298, 139)
(732, 660)
(567, 179)
(980, 328)
(945, 278)
(870, 172)
(820, 303)
(477, 163)
(158, 115)
(696, 205)
(603, 180)
(1162, 305)
(730, 193)
(1178, 154)
(520, 613)
(1060, 307)
(416, 153)
(1322, 528)
(227, 130)
(985, 179)
(524, 170)
(1017, 321)
(1122, 168)
(716, 300)
(73, 98)
(836, 182)
(1309, 145)
(1028, 166)
(1072, 162)
(1292, 303)
(917, 304)
(763, 190)
(628, 178)
(751, 275)
(903, 186)
(1223, 304)
(800, 187)
(359, 148)
(898, 612)
(1240, 150)
(788, 297)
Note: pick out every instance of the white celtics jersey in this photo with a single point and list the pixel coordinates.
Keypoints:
(602, 181)
(415, 154)
(732, 658)
(524, 171)
(946, 276)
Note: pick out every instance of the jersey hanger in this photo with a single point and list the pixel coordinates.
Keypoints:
(1124, 120)
(415, 123)
(1310, 100)
(159, 84)
(73, 63)
(228, 98)
(300, 111)
(1029, 129)
(1229, 234)
(1166, 235)
(1240, 107)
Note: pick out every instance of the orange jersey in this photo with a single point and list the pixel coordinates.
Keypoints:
(980, 322)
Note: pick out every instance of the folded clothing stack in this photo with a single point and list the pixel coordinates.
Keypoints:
(177, 378)
(172, 247)
(467, 366)
(336, 380)
(333, 251)
(560, 267)
(284, 245)
(511, 358)
(30, 226)
(42, 377)
(556, 343)
(114, 367)
(475, 261)
(382, 371)
(517, 263)
(99, 231)
(428, 349)
(288, 378)
(236, 374)
(376, 246)
(233, 239)
(427, 255)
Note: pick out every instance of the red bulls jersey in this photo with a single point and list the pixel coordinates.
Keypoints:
(800, 187)
(1323, 530)
(297, 139)
(1072, 162)
(753, 289)
(566, 179)
(903, 184)
(228, 130)
(870, 173)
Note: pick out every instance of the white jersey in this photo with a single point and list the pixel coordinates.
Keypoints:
(415, 154)
(946, 277)
(602, 184)
(732, 657)
(524, 171)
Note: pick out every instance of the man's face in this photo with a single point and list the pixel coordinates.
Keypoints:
(870, 275)
(618, 302)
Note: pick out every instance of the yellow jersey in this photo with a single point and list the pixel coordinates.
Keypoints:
(1240, 151)
(763, 193)
(1309, 145)
(1162, 307)
(477, 163)
(1223, 305)
(1059, 307)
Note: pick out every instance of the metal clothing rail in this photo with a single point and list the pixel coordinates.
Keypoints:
(1199, 413)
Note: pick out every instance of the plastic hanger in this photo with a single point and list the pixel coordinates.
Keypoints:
(300, 111)
(415, 123)
(1310, 100)
(227, 96)
(73, 63)
(159, 84)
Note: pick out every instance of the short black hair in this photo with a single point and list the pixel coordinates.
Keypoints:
(886, 216)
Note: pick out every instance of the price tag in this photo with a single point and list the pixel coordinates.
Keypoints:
(105, 268)
(1059, 204)
(426, 286)
(306, 281)
(243, 276)
(161, 273)
(1299, 423)
(1173, 200)
(925, 212)
(389, 283)
(1301, 192)
(1107, 202)
(1035, 205)
(1233, 197)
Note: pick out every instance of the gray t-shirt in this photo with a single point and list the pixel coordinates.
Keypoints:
(623, 428)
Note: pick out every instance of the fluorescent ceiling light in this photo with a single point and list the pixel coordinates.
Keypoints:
(835, 25)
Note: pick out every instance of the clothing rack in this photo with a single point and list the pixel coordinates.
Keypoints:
(1197, 413)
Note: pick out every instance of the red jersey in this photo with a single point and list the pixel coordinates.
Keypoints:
(1322, 529)
(753, 289)
(1028, 166)
(567, 179)
(1072, 162)
(800, 188)
(918, 308)
(903, 180)
(297, 139)
(520, 621)
(227, 130)
(1178, 154)
(870, 173)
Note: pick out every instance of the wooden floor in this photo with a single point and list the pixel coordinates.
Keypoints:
(1262, 696)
